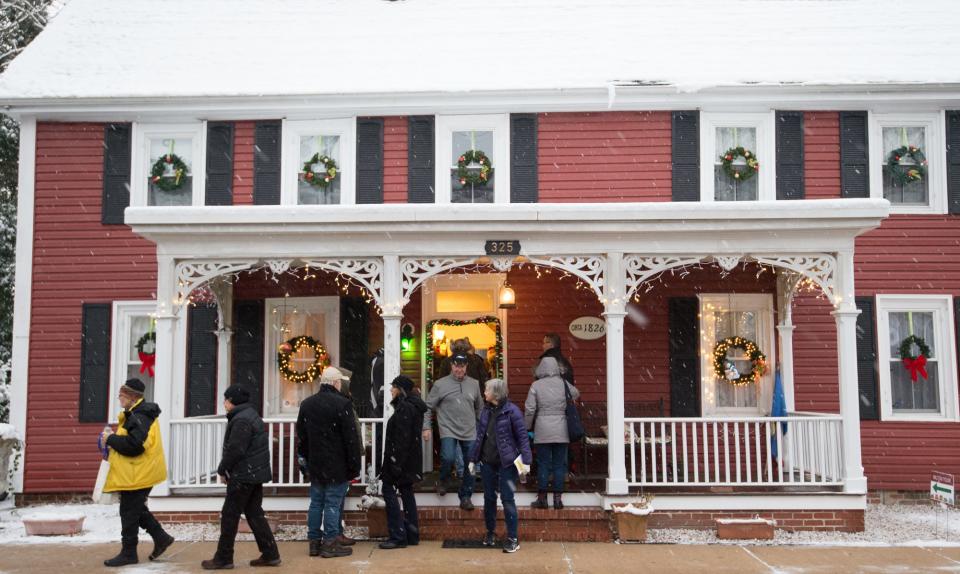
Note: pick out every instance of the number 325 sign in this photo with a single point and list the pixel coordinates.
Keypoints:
(502, 247)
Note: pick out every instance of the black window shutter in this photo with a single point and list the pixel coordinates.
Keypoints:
(956, 321)
(202, 361)
(854, 155)
(95, 363)
(789, 130)
(523, 158)
(116, 173)
(684, 348)
(248, 348)
(867, 375)
(953, 162)
(685, 149)
(354, 327)
(266, 163)
(219, 188)
(421, 151)
(370, 160)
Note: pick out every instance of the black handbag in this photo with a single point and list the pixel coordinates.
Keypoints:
(574, 426)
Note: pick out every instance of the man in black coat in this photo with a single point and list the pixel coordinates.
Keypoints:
(244, 466)
(402, 464)
(329, 449)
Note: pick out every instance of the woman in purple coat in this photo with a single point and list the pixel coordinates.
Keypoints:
(501, 439)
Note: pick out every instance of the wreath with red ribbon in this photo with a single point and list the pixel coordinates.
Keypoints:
(147, 359)
(916, 364)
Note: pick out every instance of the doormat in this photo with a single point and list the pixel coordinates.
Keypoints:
(461, 543)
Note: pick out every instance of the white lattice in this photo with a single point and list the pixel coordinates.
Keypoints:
(192, 274)
(727, 262)
(278, 266)
(416, 270)
(820, 268)
(587, 267)
(641, 269)
(366, 271)
(502, 263)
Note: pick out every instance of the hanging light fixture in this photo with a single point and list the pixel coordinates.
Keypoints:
(508, 299)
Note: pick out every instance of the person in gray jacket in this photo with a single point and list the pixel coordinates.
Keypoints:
(457, 401)
(545, 415)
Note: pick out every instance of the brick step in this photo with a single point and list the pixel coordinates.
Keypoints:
(567, 525)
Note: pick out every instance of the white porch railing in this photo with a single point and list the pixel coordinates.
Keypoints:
(735, 451)
(196, 444)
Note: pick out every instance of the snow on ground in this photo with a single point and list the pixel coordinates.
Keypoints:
(885, 526)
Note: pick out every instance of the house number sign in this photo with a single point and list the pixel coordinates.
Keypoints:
(502, 247)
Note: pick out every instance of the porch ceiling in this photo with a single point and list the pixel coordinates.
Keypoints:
(460, 229)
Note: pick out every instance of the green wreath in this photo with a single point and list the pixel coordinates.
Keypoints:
(911, 341)
(907, 173)
(474, 177)
(319, 179)
(758, 360)
(737, 173)
(285, 355)
(150, 337)
(167, 183)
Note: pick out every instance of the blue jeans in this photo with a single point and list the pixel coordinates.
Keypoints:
(503, 480)
(325, 502)
(448, 456)
(403, 526)
(551, 462)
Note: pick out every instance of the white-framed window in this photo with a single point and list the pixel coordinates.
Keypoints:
(749, 316)
(890, 133)
(930, 398)
(457, 135)
(157, 178)
(719, 132)
(132, 320)
(308, 139)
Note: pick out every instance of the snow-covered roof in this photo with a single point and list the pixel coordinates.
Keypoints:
(184, 48)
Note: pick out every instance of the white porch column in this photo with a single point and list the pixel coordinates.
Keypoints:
(223, 291)
(846, 316)
(785, 331)
(392, 316)
(614, 312)
(164, 380)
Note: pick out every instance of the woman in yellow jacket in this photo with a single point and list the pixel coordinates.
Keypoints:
(136, 466)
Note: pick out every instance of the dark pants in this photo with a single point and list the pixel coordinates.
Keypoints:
(404, 526)
(449, 448)
(135, 515)
(247, 499)
(551, 463)
(502, 480)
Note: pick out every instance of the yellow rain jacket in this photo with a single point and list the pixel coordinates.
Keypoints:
(136, 451)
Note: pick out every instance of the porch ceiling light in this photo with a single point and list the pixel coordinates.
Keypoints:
(508, 299)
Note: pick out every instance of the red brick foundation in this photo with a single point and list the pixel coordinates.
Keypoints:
(790, 520)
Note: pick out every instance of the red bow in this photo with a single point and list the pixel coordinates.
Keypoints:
(918, 365)
(148, 360)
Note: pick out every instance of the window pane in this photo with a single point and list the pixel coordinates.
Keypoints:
(727, 188)
(179, 185)
(466, 141)
(463, 142)
(910, 193)
(314, 194)
(905, 323)
(920, 396)
(730, 324)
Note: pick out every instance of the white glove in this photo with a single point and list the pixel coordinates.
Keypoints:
(470, 467)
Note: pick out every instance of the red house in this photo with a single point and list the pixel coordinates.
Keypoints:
(202, 186)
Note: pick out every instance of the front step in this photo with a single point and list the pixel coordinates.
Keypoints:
(567, 525)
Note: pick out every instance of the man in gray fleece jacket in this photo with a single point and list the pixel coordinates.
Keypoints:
(457, 401)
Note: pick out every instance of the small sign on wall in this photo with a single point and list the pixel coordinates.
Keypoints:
(588, 328)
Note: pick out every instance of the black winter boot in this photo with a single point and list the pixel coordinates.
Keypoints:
(160, 545)
(557, 501)
(541, 501)
(128, 555)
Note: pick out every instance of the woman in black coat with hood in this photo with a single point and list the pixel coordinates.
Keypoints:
(402, 464)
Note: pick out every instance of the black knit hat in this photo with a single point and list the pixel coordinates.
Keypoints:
(236, 394)
(135, 386)
(403, 382)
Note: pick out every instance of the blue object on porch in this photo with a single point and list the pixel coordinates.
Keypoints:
(778, 409)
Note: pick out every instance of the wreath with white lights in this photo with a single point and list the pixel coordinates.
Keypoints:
(285, 359)
(915, 364)
(322, 178)
(758, 360)
(168, 183)
(472, 176)
(738, 172)
(907, 173)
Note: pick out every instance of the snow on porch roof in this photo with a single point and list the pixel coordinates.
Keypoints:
(185, 48)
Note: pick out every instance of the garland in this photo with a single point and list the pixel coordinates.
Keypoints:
(160, 167)
(147, 359)
(455, 323)
(758, 360)
(472, 177)
(907, 173)
(916, 364)
(753, 166)
(285, 355)
(328, 174)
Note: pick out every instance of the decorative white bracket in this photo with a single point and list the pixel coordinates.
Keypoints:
(821, 268)
(641, 269)
(589, 268)
(416, 270)
(367, 271)
(192, 274)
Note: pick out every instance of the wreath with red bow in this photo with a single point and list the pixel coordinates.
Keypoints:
(147, 358)
(916, 364)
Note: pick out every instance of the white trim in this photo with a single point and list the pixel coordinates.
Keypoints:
(765, 152)
(748, 502)
(941, 306)
(140, 157)
(23, 288)
(121, 317)
(345, 128)
(499, 124)
(934, 148)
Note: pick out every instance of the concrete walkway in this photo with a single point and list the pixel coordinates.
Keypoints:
(533, 557)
